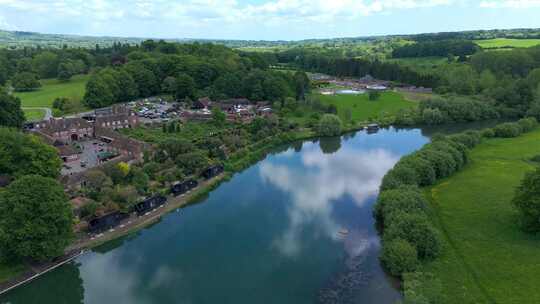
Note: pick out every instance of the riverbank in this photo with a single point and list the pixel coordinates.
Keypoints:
(238, 162)
(486, 257)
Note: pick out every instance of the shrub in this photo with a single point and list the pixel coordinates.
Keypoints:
(406, 199)
(507, 130)
(399, 256)
(401, 174)
(374, 95)
(449, 148)
(488, 133)
(469, 138)
(443, 162)
(424, 170)
(527, 201)
(417, 230)
(433, 117)
(330, 125)
(407, 117)
(527, 124)
(536, 158)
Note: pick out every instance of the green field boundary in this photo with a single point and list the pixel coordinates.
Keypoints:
(439, 222)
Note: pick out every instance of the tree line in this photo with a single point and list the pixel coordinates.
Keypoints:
(335, 64)
(35, 216)
(409, 236)
(191, 71)
(441, 48)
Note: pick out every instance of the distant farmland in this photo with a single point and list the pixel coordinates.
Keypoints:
(507, 43)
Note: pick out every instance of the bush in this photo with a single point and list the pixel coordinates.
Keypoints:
(488, 133)
(507, 130)
(527, 201)
(424, 170)
(399, 256)
(374, 95)
(527, 124)
(417, 230)
(469, 138)
(536, 158)
(443, 162)
(405, 199)
(330, 125)
(433, 117)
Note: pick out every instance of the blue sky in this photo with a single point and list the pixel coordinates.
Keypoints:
(263, 19)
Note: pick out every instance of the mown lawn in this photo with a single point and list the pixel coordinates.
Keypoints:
(33, 114)
(364, 109)
(487, 259)
(51, 89)
(506, 42)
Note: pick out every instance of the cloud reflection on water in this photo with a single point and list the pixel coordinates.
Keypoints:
(353, 171)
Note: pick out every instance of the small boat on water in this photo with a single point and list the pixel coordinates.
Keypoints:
(373, 128)
(344, 231)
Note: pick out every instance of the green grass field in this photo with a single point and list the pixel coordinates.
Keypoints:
(51, 89)
(505, 42)
(421, 64)
(486, 258)
(364, 109)
(33, 114)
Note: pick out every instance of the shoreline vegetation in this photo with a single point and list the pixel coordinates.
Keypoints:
(237, 163)
(412, 231)
(470, 85)
(487, 257)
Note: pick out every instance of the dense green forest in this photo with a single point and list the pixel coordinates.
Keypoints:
(124, 72)
(441, 48)
(187, 71)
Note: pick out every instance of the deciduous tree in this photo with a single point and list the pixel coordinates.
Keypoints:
(35, 219)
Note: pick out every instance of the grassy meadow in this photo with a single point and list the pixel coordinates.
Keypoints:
(506, 42)
(33, 114)
(53, 88)
(487, 259)
(363, 109)
(421, 64)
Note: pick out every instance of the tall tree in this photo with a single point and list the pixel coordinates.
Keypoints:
(35, 219)
(25, 82)
(11, 114)
(185, 87)
(46, 64)
(22, 154)
(527, 201)
(301, 84)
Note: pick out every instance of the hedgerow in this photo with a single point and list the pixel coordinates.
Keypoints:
(401, 208)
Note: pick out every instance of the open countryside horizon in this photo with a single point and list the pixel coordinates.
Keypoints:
(268, 20)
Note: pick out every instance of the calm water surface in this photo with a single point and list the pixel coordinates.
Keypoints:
(272, 234)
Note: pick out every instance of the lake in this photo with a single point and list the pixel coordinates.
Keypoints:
(297, 227)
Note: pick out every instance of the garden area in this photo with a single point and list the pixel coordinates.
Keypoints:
(486, 258)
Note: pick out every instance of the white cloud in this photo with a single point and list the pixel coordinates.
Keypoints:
(242, 19)
(5, 25)
(328, 177)
(225, 10)
(510, 3)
